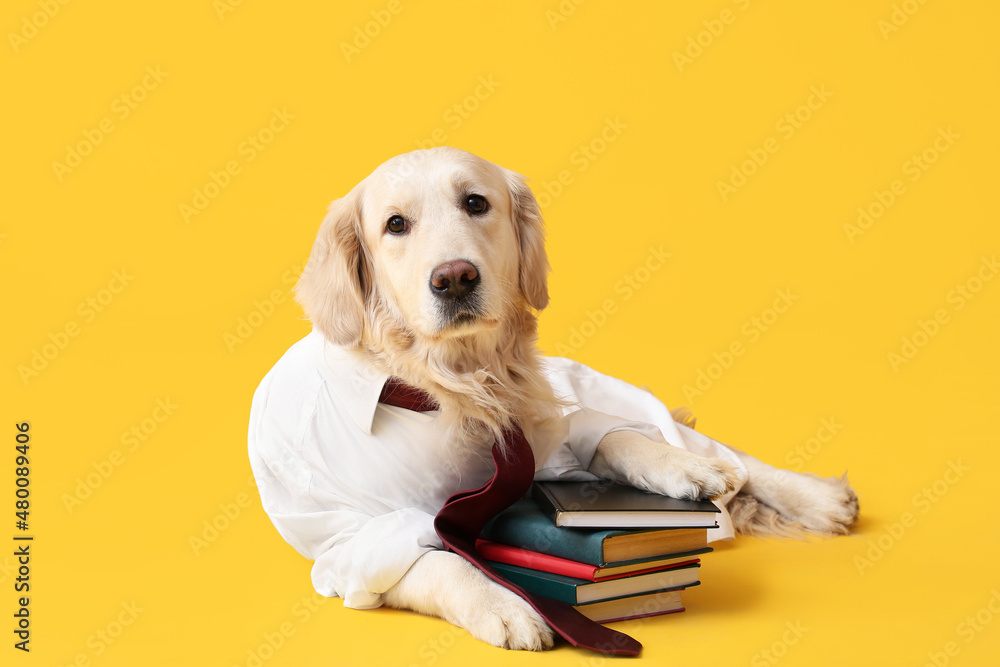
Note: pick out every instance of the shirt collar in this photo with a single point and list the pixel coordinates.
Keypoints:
(355, 384)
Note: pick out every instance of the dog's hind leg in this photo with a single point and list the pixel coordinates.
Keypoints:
(783, 503)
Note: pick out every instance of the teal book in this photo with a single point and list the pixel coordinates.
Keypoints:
(524, 525)
(580, 591)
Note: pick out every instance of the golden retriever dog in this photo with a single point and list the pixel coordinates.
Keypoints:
(433, 270)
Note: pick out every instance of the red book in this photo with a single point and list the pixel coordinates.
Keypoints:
(533, 560)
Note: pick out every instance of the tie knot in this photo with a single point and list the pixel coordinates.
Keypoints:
(402, 395)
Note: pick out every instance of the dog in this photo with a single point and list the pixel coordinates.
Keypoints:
(433, 270)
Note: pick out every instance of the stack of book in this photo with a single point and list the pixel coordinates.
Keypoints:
(611, 551)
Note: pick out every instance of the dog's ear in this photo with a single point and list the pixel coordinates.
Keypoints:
(534, 264)
(331, 289)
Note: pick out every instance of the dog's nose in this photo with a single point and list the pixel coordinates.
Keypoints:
(454, 280)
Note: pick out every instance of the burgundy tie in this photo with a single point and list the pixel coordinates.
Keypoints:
(463, 516)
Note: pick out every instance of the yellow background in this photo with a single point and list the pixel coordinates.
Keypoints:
(555, 86)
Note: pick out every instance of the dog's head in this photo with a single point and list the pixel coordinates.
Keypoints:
(439, 240)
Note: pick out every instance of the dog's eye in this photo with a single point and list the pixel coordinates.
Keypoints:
(476, 204)
(396, 225)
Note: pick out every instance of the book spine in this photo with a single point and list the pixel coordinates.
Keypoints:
(545, 502)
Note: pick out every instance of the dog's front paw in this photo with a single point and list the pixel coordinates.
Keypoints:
(630, 458)
(696, 478)
(503, 618)
(681, 474)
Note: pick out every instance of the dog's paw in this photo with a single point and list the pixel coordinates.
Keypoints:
(700, 478)
(688, 476)
(822, 505)
(630, 458)
(502, 618)
(832, 507)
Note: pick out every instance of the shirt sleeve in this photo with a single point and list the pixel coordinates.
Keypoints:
(594, 409)
(601, 404)
(358, 554)
(362, 564)
(564, 452)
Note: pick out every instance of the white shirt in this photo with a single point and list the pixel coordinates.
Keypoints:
(354, 484)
